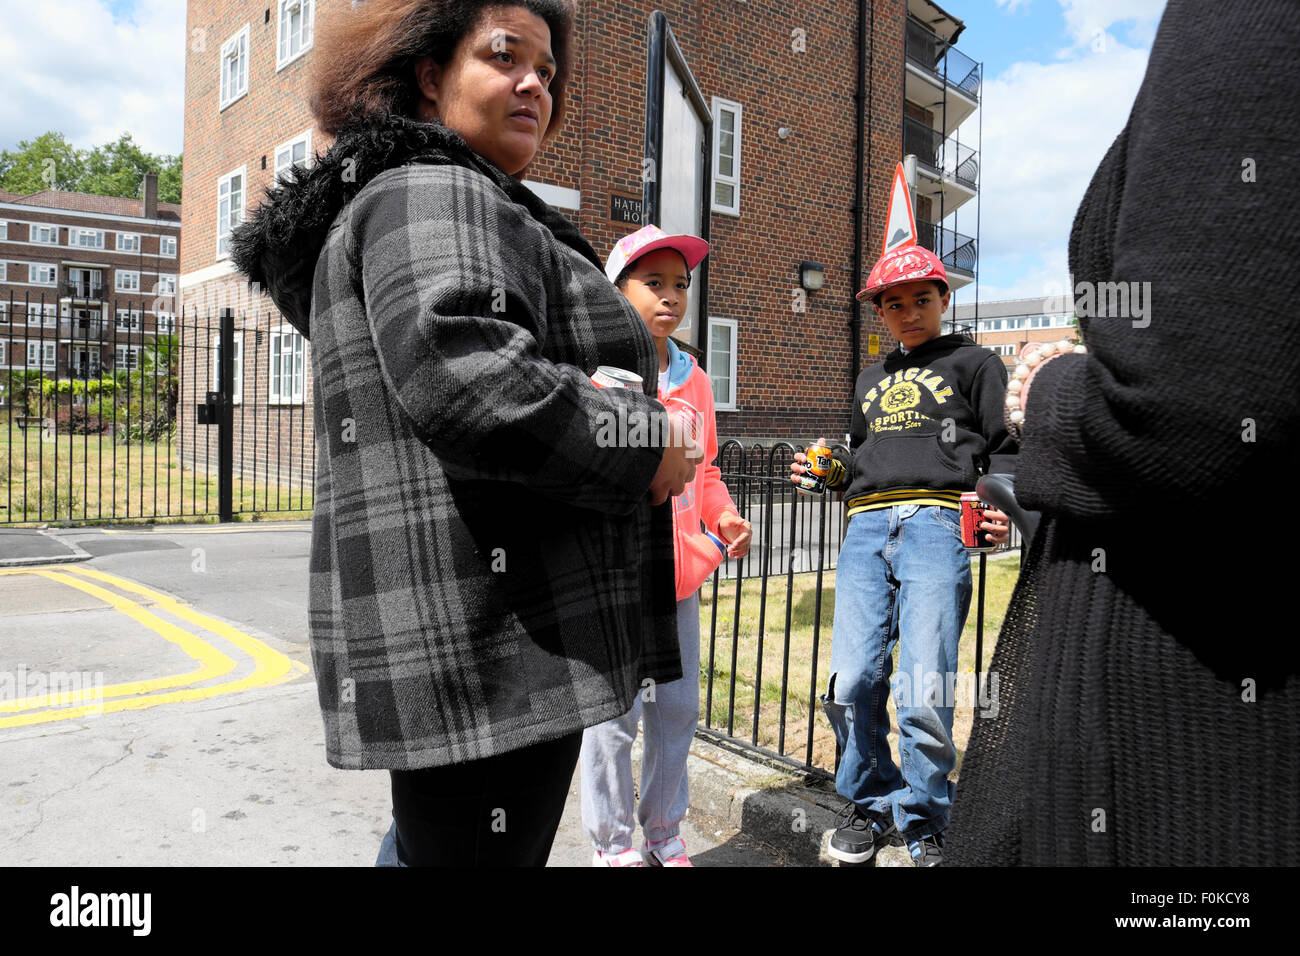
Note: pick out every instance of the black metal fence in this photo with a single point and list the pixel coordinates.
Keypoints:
(100, 417)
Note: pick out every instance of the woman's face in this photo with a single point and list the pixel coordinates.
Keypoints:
(494, 91)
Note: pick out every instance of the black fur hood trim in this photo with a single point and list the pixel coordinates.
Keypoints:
(277, 247)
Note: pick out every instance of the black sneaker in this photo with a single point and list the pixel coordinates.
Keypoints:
(928, 851)
(859, 835)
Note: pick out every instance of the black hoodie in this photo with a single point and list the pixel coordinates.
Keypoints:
(278, 246)
(927, 424)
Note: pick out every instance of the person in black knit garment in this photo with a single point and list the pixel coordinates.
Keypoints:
(1149, 693)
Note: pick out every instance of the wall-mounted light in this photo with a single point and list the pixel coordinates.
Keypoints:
(783, 132)
(812, 275)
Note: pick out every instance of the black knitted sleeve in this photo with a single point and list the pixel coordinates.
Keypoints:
(1184, 256)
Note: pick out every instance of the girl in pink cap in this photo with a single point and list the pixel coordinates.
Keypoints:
(653, 270)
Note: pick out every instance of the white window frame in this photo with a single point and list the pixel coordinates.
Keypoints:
(305, 139)
(166, 285)
(4, 230)
(238, 46)
(94, 278)
(133, 321)
(167, 247)
(77, 233)
(4, 313)
(35, 268)
(164, 323)
(132, 355)
(35, 229)
(133, 245)
(719, 105)
(226, 224)
(237, 395)
(730, 404)
(43, 355)
(306, 31)
(4, 272)
(120, 286)
(277, 394)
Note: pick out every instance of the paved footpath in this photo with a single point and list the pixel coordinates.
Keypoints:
(156, 708)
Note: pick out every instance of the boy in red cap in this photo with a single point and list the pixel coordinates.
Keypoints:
(927, 420)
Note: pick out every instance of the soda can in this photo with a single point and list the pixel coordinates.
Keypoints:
(607, 376)
(819, 469)
(973, 537)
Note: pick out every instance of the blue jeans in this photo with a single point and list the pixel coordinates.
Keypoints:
(903, 578)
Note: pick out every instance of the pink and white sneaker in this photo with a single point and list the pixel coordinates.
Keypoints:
(669, 853)
(628, 857)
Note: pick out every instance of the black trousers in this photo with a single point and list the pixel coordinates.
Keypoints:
(499, 811)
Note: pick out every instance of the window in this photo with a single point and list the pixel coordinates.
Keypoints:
(34, 354)
(167, 246)
(45, 234)
(230, 208)
(127, 281)
(4, 313)
(166, 284)
(4, 271)
(722, 362)
(128, 242)
(287, 367)
(237, 390)
(234, 67)
(128, 320)
(4, 229)
(86, 238)
(165, 323)
(127, 357)
(84, 362)
(38, 274)
(85, 283)
(85, 321)
(726, 156)
(295, 30)
(296, 152)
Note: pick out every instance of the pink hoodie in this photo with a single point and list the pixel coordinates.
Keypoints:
(706, 498)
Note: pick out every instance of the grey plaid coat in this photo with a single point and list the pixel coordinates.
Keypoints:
(484, 575)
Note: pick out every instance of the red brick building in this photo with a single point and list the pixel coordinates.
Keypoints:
(86, 282)
(786, 83)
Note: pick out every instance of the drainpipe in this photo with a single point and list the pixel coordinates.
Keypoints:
(861, 160)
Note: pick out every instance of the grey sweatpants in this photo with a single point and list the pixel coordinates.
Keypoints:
(671, 712)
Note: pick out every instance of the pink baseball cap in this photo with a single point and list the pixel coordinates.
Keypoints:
(647, 239)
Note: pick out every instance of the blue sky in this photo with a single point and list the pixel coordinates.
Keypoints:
(1059, 79)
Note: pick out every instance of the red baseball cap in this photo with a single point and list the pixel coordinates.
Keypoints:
(904, 264)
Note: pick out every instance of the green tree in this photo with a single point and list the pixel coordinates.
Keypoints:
(117, 169)
(47, 162)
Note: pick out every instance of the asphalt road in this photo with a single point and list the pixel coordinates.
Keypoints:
(188, 731)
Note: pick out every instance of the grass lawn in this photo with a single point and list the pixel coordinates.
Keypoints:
(796, 661)
(101, 480)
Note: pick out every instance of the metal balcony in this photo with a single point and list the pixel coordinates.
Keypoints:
(939, 77)
(943, 157)
(83, 290)
(958, 253)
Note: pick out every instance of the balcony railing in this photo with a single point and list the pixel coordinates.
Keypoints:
(944, 157)
(954, 250)
(923, 47)
(88, 289)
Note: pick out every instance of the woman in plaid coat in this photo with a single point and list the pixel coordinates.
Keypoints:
(486, 578)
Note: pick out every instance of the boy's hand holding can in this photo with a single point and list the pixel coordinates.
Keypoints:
(810, 471)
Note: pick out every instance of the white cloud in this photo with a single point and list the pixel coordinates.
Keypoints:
(1085, 20)
(1012, 4)
(70, 67)
(1046, 128)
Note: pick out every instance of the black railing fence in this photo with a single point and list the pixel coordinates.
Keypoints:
(927, 50)
(99, 416)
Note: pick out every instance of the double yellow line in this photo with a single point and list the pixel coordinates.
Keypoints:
(270, 667)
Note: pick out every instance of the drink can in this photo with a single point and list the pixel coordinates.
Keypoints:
(819, 469)
(973, 537)
(607, 376)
